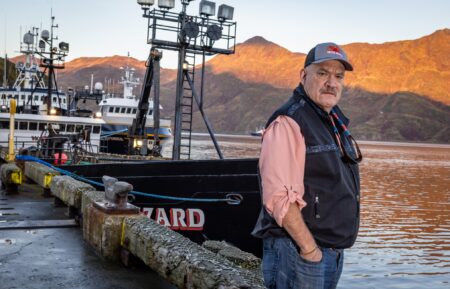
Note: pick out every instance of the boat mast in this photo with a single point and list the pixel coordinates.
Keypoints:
(5, 67)
(51, 69)
(51, 60)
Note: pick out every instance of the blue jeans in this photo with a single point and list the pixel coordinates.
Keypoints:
(284, 268)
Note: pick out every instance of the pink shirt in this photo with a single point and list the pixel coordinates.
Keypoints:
(282, 167)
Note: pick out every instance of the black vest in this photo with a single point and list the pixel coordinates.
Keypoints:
(331, 185)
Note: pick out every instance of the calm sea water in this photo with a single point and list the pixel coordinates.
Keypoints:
(404, 239)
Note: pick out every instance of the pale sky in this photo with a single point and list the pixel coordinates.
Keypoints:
(114, 27)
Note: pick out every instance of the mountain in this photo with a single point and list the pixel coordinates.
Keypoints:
(260, 61)
(402, 116)
(77, 73)
(421, 66)
(399, 91)
(237, 106)
(106, 70)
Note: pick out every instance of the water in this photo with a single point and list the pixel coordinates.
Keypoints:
(404, 239)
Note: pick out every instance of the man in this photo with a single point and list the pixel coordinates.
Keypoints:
(309, 179)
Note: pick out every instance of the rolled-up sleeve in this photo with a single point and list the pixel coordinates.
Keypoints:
(282, 167)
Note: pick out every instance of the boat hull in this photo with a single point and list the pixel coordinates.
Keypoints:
(206, 179)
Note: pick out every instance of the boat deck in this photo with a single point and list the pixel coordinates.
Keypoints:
(40, 247)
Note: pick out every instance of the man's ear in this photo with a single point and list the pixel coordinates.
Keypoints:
(302, 75)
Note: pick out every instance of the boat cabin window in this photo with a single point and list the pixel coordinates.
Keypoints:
(33, 126)
(134, 110)
(96, 129)
(129, 110)
(36, 97)
(29, 96)
(3, 96)
(78, 127)
(9, 96)
(64, 100)
(122, 110)
(54, 99)
(15, 125)
(117, 110)
(62, 126)
(16, 96)
(42, 126)
(22, 96)
(23, 125)
(111, 109)
(70, 128)
(4, 124)
(150, 112)
(42, 98)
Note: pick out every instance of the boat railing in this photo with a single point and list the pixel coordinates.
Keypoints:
(76, 152)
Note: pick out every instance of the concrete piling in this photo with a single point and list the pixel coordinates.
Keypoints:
(41, 175)
(182, 262)
(69, 190)
(11, 176)
(174, 257)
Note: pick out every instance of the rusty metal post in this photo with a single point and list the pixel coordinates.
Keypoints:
(12, 112)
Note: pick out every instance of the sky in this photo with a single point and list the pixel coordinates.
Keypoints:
(116, 27)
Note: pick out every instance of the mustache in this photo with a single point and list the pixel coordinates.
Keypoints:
(329, 91)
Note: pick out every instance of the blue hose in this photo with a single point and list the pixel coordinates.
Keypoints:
(82, 179)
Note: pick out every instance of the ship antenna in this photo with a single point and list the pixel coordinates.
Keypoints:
(5, 70)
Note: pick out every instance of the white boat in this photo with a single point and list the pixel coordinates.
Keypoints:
(33, 130)
(43, 122)
(29, 89)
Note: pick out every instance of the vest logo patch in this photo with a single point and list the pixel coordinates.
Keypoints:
(321, 148)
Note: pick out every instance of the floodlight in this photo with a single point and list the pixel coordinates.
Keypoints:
(28, 38)
(146, 2)
(191, 29)
(185, 66)
(207, 8)
(53, 111)
(137, 143)
(214, 32)
(45, 35)
(98, 114)
(64, 46)
(225, 12)
(166, 4)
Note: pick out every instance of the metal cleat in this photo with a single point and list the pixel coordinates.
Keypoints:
(116, 197)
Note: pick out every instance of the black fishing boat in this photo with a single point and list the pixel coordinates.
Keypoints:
(201, 199)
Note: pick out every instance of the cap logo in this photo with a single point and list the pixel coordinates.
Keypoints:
(334, 50)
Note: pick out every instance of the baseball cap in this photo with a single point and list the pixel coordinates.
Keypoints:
(327, 51)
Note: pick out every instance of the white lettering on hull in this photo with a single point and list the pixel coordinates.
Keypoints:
(191, 219)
